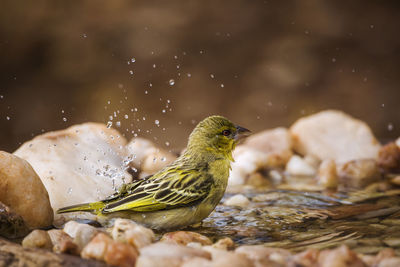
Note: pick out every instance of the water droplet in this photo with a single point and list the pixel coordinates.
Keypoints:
(8, 118)
(189, 75)
(176, 57)
(171, 82)
(70, 191)
(212, 76)
(1, 96)
(168, 101)
(109, 124)
(84, 35)
(64, 119)
(333, 60)
(144, 118)
(390, 127)
(62, 111)
(157, 122)
(126, 116)
(154, 66)
(150, 85)
(146, 92)
(222, 85)
(371, 26)
(167, 143)
(118, 124)
(177, 66)
(133, 60)
(131, 72)
(163, 111)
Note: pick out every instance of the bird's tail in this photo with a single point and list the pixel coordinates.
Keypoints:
(94, 207)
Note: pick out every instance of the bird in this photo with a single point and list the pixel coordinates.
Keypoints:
(184, 192)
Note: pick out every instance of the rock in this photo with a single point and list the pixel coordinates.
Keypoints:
(23, 192)
(265, 256)
(327, 175)
(160, 253)
(237, 200)
(305, 258)
(398, 142)
(395, 180)
(147, 157)
(341, 256)
(224, 243)
(267, 149)
(12, 254)
(359, 173)
(277, 143)
(82, 163)
(392, 241)
(389, 262)
(197, 262)
(12, 225)
(104, 248)
(299, 167)
(62, 242)
(37, 239)
(129, 232)
(81, 233)
(389, 157)
(223, 258)
(185, 237)
(334, 135)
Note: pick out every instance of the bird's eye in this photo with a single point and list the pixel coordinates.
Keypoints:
(226, 132)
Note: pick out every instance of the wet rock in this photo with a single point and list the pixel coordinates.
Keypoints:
(237, 200)
(185, 237)
(223, 258)
(334, 135)
(160, 253)
(389, 157)
(299, 167)
(265, 256)
(81, 233)
(62, 242)
(341, 256)
(147, 157)
(12, 254)
(327, 175)
(224, 243)
(104, 248)
(12, 225)
(267, 149)
(359, 173)
(23, 192)
(37, 239)
(129, 232)
(82, 163)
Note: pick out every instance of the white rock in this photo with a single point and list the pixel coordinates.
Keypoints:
(79, 164)
(128, 231)
(22, 190)
(334, 135)
(298, 166)
(327, 175)
(81, 233)
(398, 142)
(147, 157)
(237, 200)
(359, 173)
(223, 258)
(269, 148)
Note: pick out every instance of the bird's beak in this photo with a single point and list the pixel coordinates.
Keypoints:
(241, 132)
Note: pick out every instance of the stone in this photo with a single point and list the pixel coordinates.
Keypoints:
(224, 243)
(297, 166)
(389, 262)
(81, 233)
(341, 256)
(12, 254)
(104, 248)
(389, 157)
(197, 262)
(327, 174)
(160, 253)
(395, 180)
(359, 173)
(129, 232)
(237, 200)
(223, 258)
(185, 237)
(37, 239)
(147, 157)
(392, 241)
(308, 257)
(62, 242)
(23, 192)
(12, 225)
(264, 256)
(83, 163)
(332, 134)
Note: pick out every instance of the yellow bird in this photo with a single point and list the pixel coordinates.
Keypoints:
(184, 192)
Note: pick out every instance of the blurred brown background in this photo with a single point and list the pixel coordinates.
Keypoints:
(261, 63)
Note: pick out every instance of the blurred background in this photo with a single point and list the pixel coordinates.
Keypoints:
(155, 68)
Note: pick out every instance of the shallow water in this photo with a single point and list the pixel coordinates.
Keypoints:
(366, 221)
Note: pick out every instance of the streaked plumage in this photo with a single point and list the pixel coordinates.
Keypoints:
(184, 192)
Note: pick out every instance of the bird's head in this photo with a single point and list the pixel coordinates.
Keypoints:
(216, 135)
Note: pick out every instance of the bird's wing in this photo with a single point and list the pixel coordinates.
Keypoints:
(167, 189)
